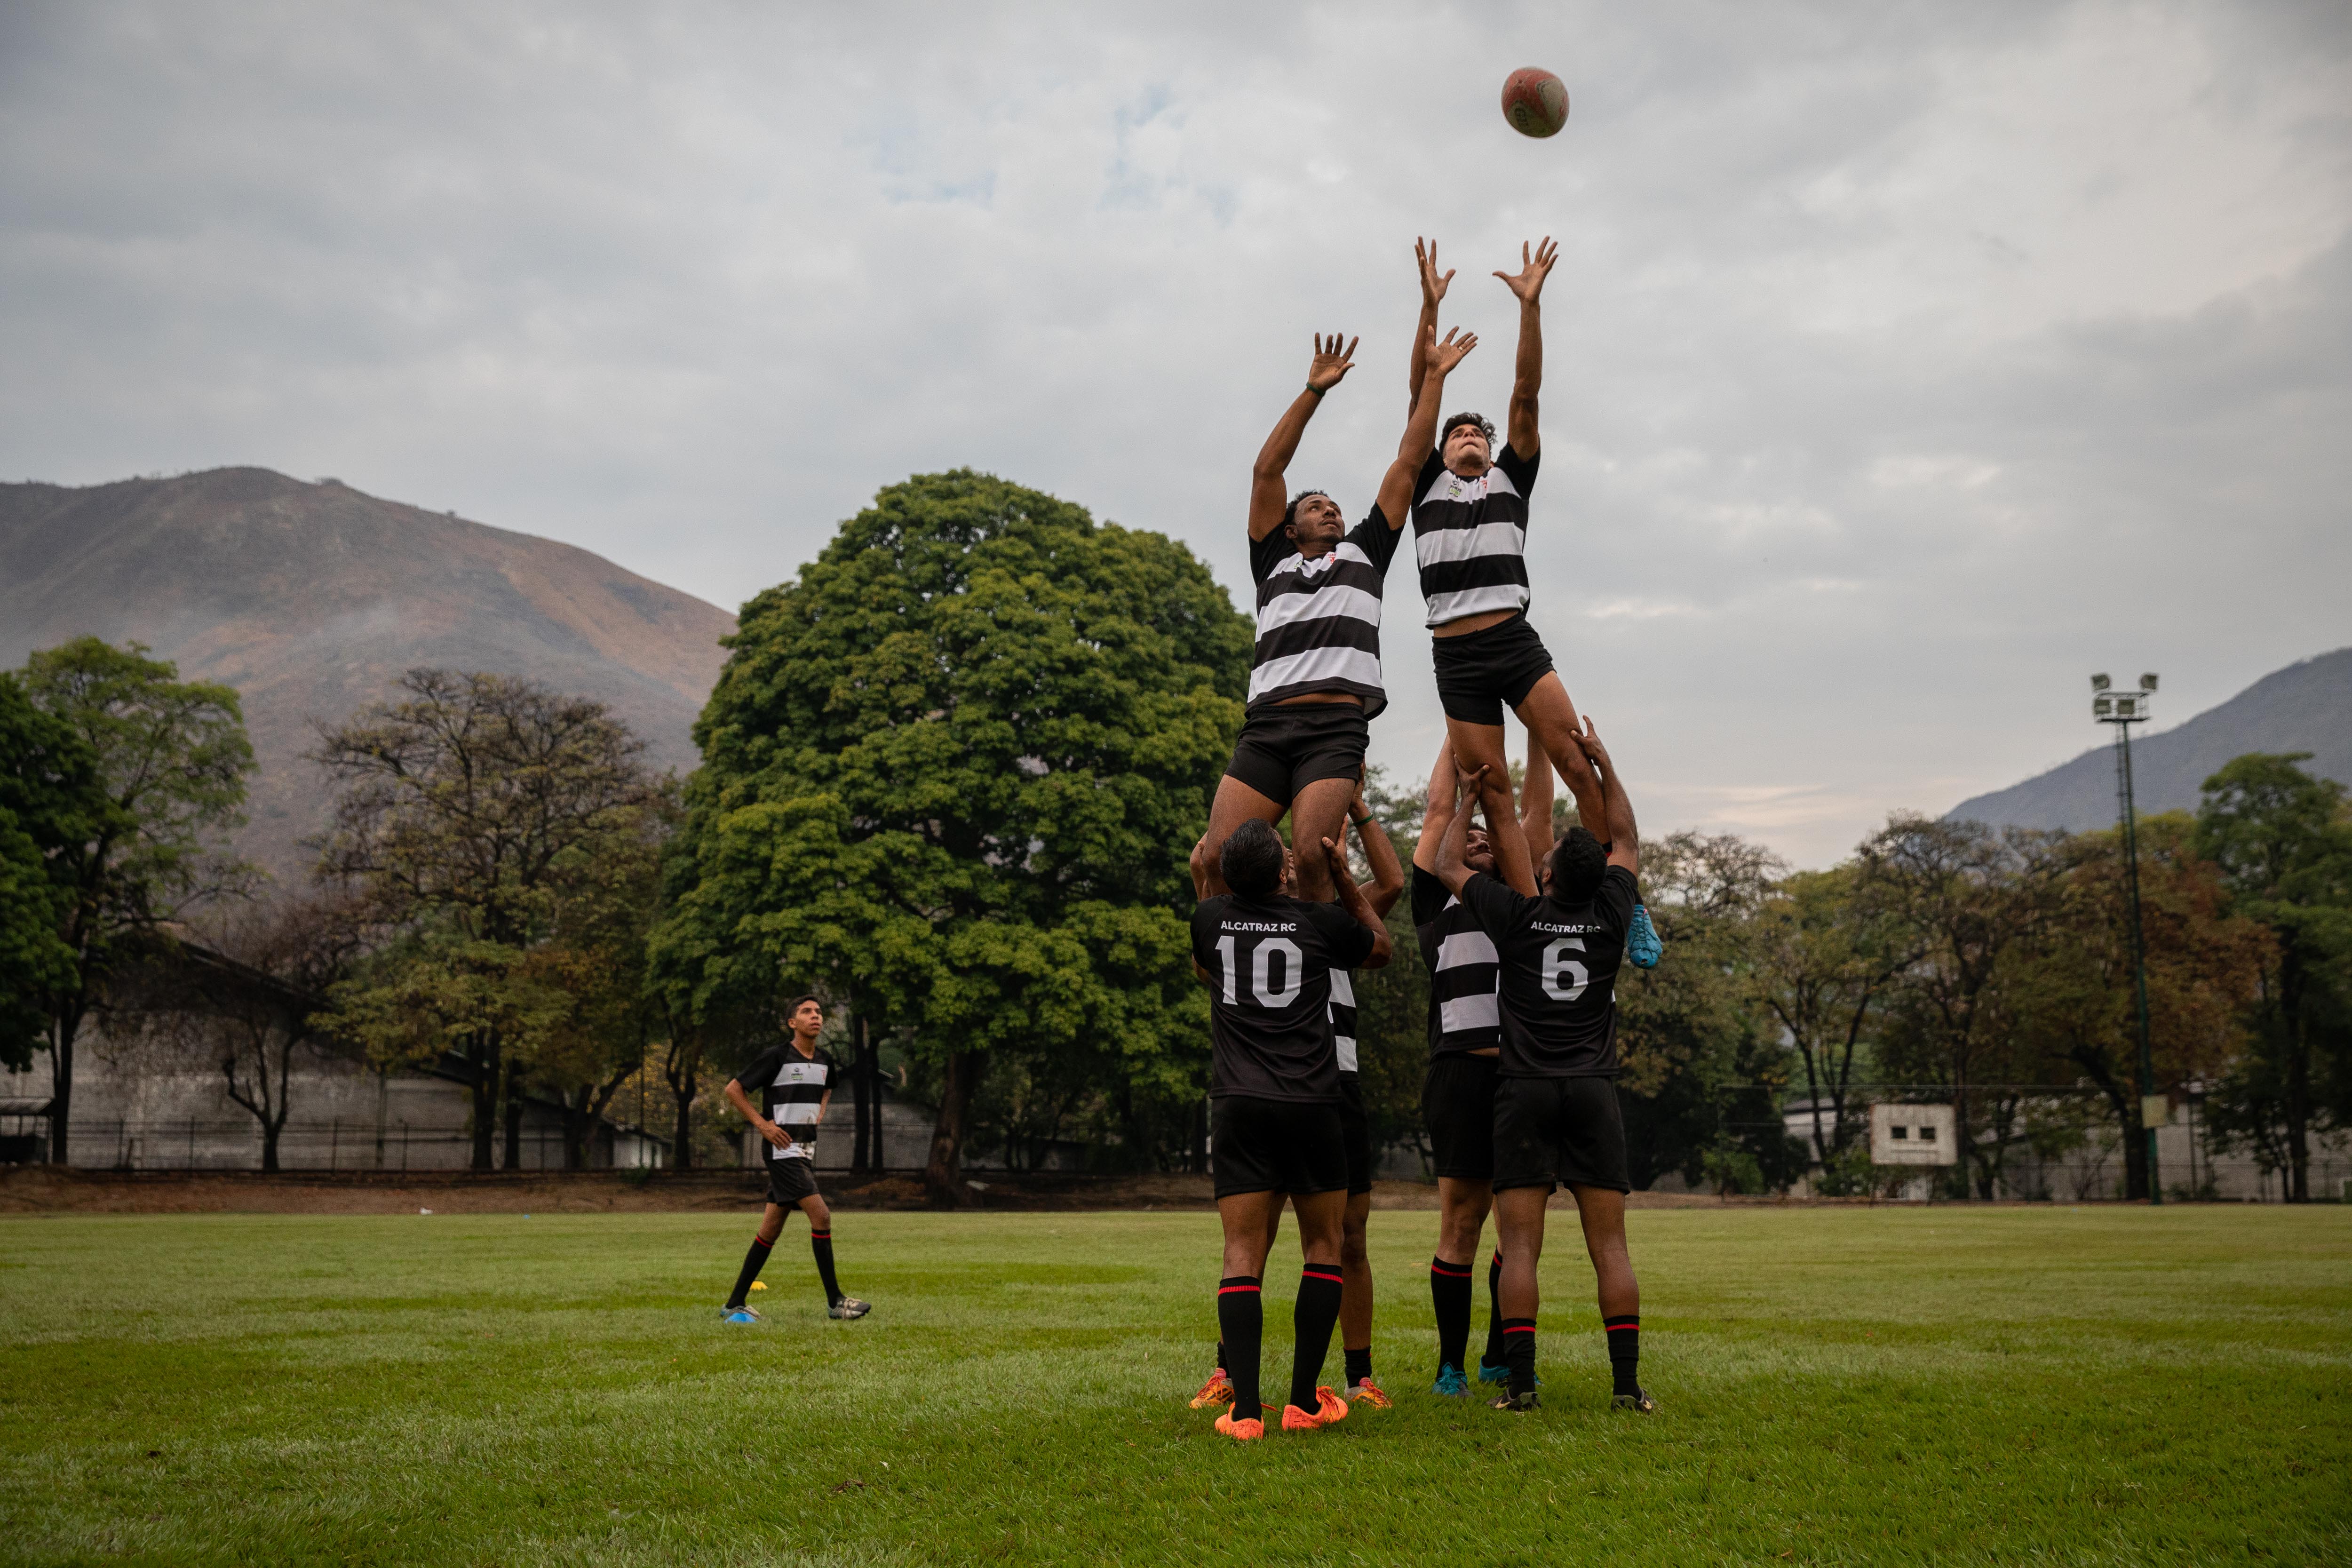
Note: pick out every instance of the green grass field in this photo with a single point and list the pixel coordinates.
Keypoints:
(2047, 1386)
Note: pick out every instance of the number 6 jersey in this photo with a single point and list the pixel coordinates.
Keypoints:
(1270, 963)
(1559, 980)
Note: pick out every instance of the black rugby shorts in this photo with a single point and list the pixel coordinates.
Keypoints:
(1481, 673)
(1457, 1105)
(1356, 1131)
(1276, 1146)
(1284, 748)
(790, 1181)
(1558, 1132)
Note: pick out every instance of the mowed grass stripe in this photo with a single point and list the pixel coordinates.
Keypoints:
(1839, 1385)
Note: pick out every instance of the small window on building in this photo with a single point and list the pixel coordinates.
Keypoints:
(1927, 1134)
(1900, 1131)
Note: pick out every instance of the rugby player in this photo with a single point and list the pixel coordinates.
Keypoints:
(1315, 677)
(1275, 1103)
(1470, 540)
(797, 1078)
(1457, 1096)
(1557, 1120)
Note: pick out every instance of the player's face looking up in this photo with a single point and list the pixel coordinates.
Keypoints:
(1467, 452)
(807, 1020)
(1480, 855)
(1316, 524)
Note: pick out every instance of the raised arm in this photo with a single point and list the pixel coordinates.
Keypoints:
(1388, 872)
(1528, 380)
(1437, 808)
(1352, 900)
(1536, 790)
(1432, 289)
(1624, 844)
(1438, 359)
(1268, 497)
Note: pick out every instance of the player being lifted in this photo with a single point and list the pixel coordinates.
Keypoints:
(796, 1079)
(1557, 1120)
(1275, 1102)
(1355, 1258)
(1470, 538)
(1458, 1096)
(1315, 677)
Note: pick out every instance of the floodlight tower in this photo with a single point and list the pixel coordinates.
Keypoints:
(2124, 710)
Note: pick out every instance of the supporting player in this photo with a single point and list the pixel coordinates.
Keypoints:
(797, 1078)
(1273, 1089)
(1557, 1120)
(1458, 1096)
(1314, 678)
(1470, 540)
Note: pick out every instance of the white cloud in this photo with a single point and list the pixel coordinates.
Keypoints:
(1904, 363)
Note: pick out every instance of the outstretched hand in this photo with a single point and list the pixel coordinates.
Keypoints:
(1443, 356)
(1336, 859)
(1589, 738)
(1529, 282)
(1433, 286)
(1331, 363)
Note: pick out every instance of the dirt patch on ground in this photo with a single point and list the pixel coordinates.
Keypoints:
(55, 1189)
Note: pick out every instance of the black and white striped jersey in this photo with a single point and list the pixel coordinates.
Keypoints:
(1465, 1014)
(793, 1087)
(1343, 1018)
(1318, 622)
(1470, 536)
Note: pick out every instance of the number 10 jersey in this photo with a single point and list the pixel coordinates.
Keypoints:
(1270, 963)
(1558, 974)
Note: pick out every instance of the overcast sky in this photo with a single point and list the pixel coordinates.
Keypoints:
(1906, 363)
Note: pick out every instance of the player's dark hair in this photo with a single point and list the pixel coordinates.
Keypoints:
(1252, 859)
(1577, 862)
(1478, 419)
(793, 1007)
(1290, 512)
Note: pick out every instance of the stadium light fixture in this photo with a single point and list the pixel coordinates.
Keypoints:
(2124, 710)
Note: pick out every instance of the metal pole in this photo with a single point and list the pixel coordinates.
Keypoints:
(2138, 948)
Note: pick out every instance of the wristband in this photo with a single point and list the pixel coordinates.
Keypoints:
(1314, 389)
(1359, 821)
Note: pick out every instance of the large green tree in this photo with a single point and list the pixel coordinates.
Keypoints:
(2283, 842)
(171, 759)
(952, 773)
(49, 800)
(469, 815)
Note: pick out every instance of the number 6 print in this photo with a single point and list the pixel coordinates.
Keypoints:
(1557, 963)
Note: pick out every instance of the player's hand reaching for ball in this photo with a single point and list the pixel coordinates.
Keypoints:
(1529, 282)
(1443, 354)
(1433, 284)
(1331, 363)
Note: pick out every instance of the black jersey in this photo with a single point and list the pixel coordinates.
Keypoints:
(1559, 963)
(1318, 622)
(1470, 536)
(1270, 993)
(795, 1088)
(1460, 958)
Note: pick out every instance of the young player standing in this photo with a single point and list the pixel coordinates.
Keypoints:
(1470, 538)
(1315, 677)
(1557, 1120)
(1458, 1096)
(797, 1080)
(1273, 1089)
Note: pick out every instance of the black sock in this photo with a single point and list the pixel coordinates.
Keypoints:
(1494, 1352)
(1519, 1345)
(821, 1243)
(753, 1261)
(1240, 1317)
(1359, 1364)
(1311, 1321)
(1624, 1336)
(1220, 1355)
(1449, 1293)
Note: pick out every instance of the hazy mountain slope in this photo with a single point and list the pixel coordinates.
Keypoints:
(2305, 707)
(310, 599)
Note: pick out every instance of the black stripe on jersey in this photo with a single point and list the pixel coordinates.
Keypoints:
(1318, 631)
(1340, 574)
(1477, 571)
(1500, 506)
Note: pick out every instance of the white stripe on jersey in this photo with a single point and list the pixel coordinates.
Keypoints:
(792, 1113)
(1465, 543)
(1361, 665)
(798, 1149)
(1444, 608)
(1493, 482)
(1343, 995)
(1479, 1012)
(1465, 947)
(1321, 604)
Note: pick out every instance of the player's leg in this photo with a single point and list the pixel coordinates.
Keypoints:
(1239, 798)
(1458, 1106)
(1550, 719)
(763, 1240)
(1327, 764)
(1356, 1301)
(1219, 1389)
(820, 1216)
(1602, 1212)
(1319, 812)
(1519, 1223)
(1322, 1222)
(1241, 1306)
